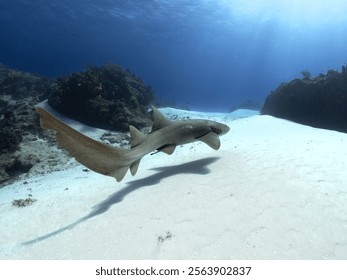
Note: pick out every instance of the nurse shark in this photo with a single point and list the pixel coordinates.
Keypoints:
(105, 159)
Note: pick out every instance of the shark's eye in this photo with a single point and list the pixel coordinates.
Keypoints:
(216, 130)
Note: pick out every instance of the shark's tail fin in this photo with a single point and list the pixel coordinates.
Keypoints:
(97, 156)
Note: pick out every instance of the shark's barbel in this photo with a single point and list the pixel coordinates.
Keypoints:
(111, 161)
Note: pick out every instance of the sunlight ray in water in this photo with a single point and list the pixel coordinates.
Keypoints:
(294, 12)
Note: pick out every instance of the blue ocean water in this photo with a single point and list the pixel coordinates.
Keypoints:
(205, 54)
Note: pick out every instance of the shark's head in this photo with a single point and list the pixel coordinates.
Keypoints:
(218, 128)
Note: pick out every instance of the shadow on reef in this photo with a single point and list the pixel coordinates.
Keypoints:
(319, 102)
(195, 167)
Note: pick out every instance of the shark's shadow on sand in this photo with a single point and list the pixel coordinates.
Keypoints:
(195, 167)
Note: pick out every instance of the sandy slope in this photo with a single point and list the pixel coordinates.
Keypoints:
(275, 190)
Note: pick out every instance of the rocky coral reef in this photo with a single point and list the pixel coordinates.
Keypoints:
(20, 149)
(19, 89)
(319, 102)
(19, 92)
(105, 97)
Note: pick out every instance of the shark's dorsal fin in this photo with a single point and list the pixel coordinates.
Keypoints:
(137, 137)
(159, 120)
(210, 139)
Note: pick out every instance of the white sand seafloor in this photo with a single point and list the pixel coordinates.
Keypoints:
(274, 190)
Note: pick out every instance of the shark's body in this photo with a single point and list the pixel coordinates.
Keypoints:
(115, 162)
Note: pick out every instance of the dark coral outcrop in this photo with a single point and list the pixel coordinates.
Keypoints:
(106, 97)
(319, 102)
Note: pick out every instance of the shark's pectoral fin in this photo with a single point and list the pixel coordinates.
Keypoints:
(134, 166)
(167, 149)
(210, 139)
